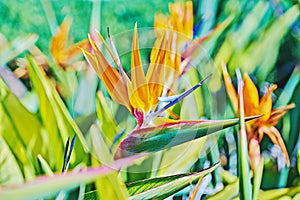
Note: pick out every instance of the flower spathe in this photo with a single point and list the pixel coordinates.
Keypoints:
(255, 106)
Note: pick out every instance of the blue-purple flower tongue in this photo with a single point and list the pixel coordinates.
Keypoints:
(68, 153)
(176, 98)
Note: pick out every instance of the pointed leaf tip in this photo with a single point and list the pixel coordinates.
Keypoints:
(156, 138)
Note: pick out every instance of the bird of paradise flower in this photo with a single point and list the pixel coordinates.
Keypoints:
(140, 94)
(62, 50)
(64, 53)
(148, 95)
(255, 106)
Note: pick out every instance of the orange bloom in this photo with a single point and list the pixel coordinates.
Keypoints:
(255, 106)
(177, 28)
(140, 93)
(180, 20)
(60, 49)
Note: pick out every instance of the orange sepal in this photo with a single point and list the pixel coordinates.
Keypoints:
(109, 76)
(275, 137)
(59, 40)
(265, 104)
(139, 96)
(188, 20)
(251, 98)
(278, 113)
(231, 92)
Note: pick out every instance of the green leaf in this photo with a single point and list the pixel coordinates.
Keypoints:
(21, 130)
(162, 187)
(196, 98)
(10, 172)
(50, 15)
(106, 119)
(278, 193)
(152, 139)
(87, 87)
(55, 117)
(49, 186)
(206, 8)
(180, 158)
(251, 23)
(91, 195)
(66, 83)
(266, 49)
(85, 122)
(298, 161)
(257, 177)
(289, 88)
(231, 189)
(237, 40)
(45, 166)
(109, 186)
(201, 49)
(243, 164)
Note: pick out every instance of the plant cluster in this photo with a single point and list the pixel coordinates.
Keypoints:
(153, 113)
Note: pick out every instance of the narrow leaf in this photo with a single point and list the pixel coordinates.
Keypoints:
(257, 178)
(162, 187)
(49, 186)
(45, 166)
(106, 119)
(289, 88)
(16, 123)
(55, 116)
(181, 158)
(243, 164)
(109, 186)
(279, 193)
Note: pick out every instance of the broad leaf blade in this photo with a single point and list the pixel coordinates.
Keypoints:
(162, 187)
(21, 130)
(109, 186)
(55, 116)
(104, 114)
(161, 137)
(181, 158)
(49, 186)
(10, 172)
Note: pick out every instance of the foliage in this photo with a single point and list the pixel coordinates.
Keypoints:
(157, 123)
